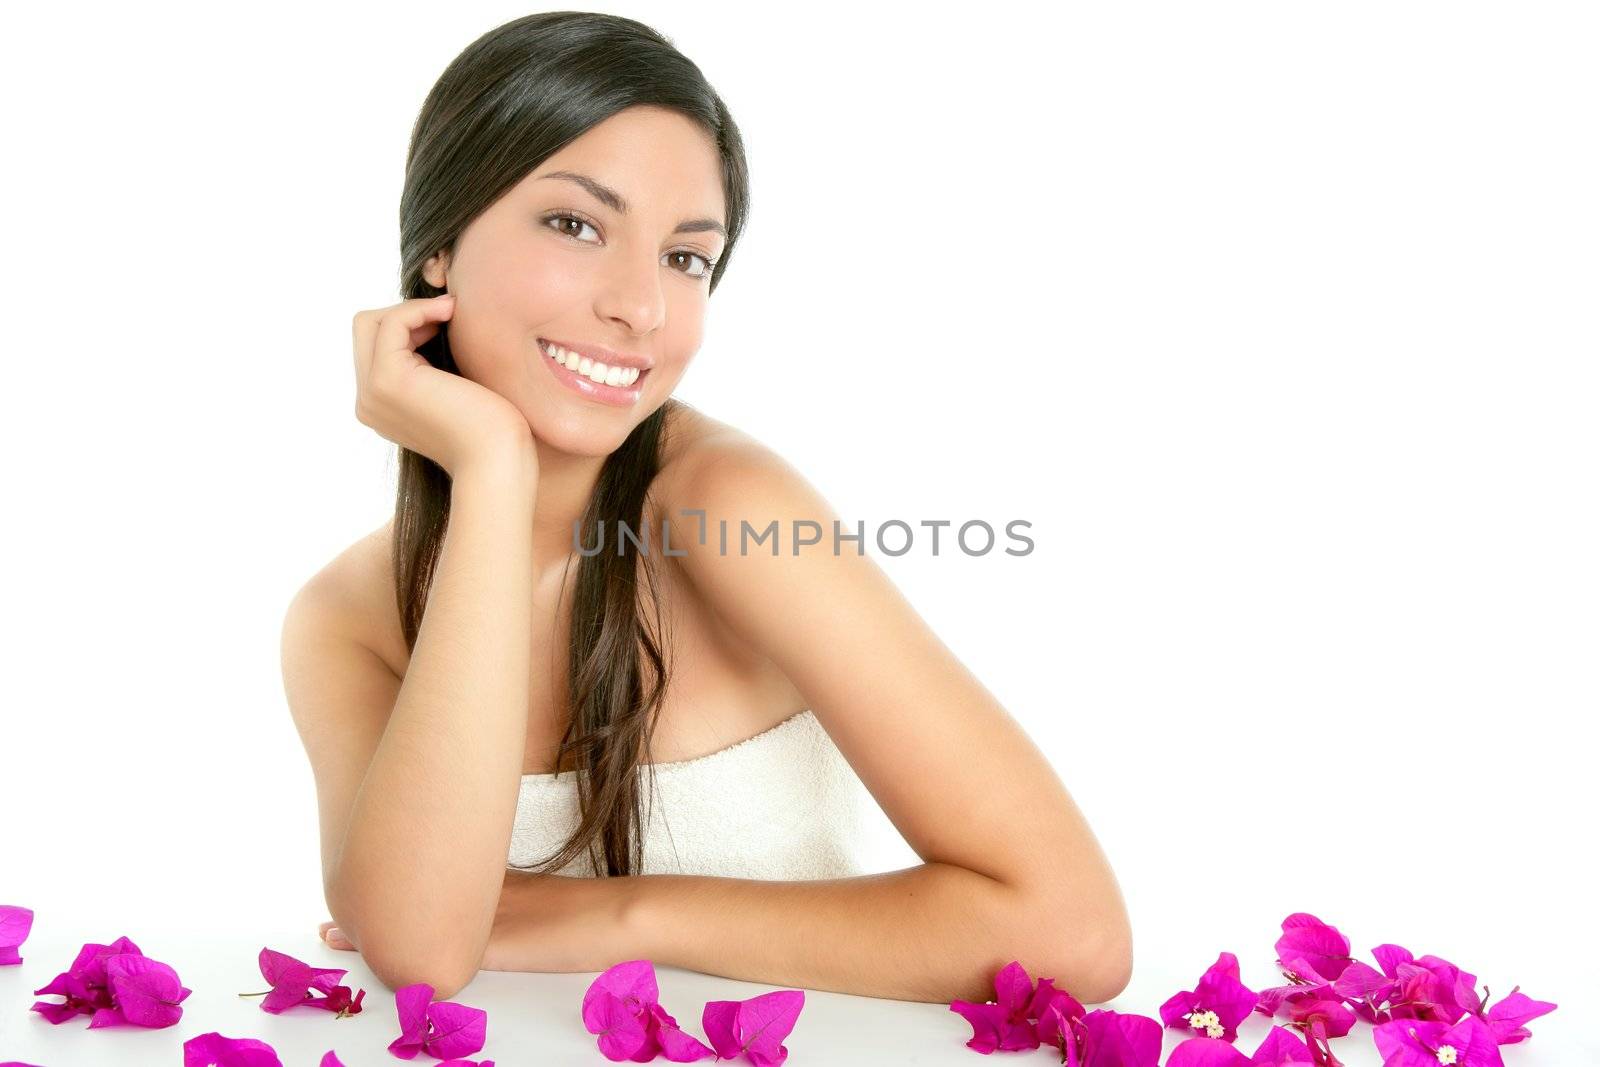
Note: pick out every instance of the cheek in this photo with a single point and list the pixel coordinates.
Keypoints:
(535, 285)
(509, 298)
(549, 281)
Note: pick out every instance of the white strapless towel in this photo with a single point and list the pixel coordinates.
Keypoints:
(783, 805)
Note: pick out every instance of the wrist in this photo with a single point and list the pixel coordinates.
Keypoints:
(639, 936)
(513, 468)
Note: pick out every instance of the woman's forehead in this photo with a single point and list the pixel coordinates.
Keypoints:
(640, 161)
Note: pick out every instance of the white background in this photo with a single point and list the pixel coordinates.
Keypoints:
(1277, 322)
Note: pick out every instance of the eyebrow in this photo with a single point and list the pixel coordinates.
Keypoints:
(613, 200)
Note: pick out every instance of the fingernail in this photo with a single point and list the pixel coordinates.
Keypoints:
(333, 934)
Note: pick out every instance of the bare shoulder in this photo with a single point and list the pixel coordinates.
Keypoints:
(709, 464)
(725, 499)
(353, 594)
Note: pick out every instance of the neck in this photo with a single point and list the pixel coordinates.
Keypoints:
(566, 483)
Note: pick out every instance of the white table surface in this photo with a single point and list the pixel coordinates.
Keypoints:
(534, 1018)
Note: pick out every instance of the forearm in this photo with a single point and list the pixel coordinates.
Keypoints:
(420, 870)
(934, 932)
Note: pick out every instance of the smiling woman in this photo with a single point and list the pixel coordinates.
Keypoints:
(485, 706)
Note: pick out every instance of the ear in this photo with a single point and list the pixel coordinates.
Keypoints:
(434, 270)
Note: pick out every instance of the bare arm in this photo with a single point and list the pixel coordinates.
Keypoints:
(935, 933)
(417, 821)
(1011, 869)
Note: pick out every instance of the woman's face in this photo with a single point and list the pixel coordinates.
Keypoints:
(553, 261)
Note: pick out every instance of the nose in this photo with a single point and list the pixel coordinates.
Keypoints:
(630, 294)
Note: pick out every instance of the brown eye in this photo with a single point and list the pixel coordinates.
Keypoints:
(706, 265)
(562, 224)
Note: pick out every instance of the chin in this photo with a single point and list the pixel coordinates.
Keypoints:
(583, 433)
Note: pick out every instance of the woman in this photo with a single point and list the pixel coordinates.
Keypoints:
(573, 193)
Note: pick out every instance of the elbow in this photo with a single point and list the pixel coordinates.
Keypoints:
(1091, 975)
(398, 962)
(1088, 977)
(1110, 972)
(1090, 939)
(396, 972)
(1104, 953)
(1106, 969)
(397, 957)
(1094, 963)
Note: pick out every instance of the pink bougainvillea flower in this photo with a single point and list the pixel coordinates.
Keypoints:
(1365, 990)
(329, 1059)
(1312, 1006)
(1065, 1032)
(84, 984)
(755, 1027)
(1280, 1049)
(1059, 1018)
(295, 983)
(1304, 983)
(1022, 1016)
(114, 984)
(662, 1031)
(214, 1050)
(1002, 1023)
(1505, 1019)
(622, 1006)
(445, 1030)
(1101, 1038)
(1217, 1005)
(1434, 990)
(1424, 1043)
(147, 993)
(1114, 1039)
(1322, 976)
(1431, 989)
(15, 922)
(1427, 988)
(1306, 937)
(340, 1002)
(616, 1007)
(1320, 1018)
(1313, 956)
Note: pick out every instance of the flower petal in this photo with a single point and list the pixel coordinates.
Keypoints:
(148, 992)
(764, 1022)
(214, 1050)
(1321, 945)
(15, 922)
(1207, 1052)
(458, 1030)
(621, 1030)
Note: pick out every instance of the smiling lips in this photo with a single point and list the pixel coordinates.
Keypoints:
(597, 373)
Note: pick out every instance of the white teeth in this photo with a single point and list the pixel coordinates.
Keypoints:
(592, 369)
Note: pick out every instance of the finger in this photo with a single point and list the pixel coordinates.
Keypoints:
(364, 329)
(334, 936)
(396, 327)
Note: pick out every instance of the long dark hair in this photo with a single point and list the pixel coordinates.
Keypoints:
(511, 99)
